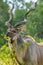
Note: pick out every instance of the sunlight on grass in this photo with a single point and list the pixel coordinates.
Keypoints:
(5, 56)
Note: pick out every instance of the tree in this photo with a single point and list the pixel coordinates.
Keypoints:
(3, 17)
(35, 21)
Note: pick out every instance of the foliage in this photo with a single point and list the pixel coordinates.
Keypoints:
(5, 56)
(35, 22)
(3, 16)
(18, 16)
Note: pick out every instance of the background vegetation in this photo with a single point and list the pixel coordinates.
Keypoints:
(34, 24)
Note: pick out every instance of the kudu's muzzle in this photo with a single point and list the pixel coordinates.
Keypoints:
(10, 35)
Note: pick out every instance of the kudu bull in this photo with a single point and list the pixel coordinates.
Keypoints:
(25, 46)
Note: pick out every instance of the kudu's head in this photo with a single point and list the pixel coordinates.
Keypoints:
(14, 31)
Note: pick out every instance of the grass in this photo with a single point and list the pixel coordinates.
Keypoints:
(38, 39)
(5, 56)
